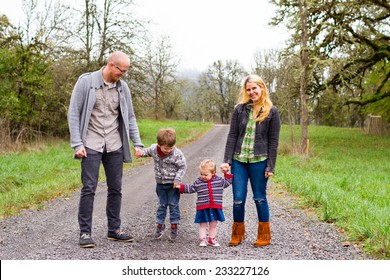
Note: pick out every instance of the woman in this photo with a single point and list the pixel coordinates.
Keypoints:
(251, 149)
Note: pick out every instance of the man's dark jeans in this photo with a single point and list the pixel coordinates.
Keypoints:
(113, 167)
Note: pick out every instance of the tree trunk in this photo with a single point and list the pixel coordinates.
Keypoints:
(89, 26)
(304, 76)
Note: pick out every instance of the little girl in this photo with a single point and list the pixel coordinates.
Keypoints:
(209, 188)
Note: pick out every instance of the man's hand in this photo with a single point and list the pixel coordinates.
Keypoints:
(81, 153)
(137, 152)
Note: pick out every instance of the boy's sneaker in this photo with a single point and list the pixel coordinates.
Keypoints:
(173, 234)
(159, 231)
(213, 242)
(119, 236)
(202, 242)
(86, 241)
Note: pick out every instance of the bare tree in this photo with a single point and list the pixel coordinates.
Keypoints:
(155, 70)
(222, 81)
(103, 27)
(266, 64)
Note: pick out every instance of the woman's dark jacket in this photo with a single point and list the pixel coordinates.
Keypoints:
(266, 137)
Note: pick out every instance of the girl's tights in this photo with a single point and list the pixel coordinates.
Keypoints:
(212, 230)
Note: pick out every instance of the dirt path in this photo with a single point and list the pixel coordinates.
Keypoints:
(52, 233)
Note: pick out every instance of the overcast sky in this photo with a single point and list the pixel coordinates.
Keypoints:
(204, 31)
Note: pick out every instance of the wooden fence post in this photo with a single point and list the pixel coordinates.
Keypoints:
(375, 125)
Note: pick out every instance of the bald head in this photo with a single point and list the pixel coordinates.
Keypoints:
(119, 57)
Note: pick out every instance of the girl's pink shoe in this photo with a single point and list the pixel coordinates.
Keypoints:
(202, 242)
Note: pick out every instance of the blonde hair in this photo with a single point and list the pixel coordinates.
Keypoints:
(209, 165)
(262, 111)
(166, 136)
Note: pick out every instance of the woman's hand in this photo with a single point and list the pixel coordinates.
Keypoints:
(225, 167)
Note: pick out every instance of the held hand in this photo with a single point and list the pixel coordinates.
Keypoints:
(81, 153)
(137, 152)
(176, 186)
(268, 174)
(225, 168)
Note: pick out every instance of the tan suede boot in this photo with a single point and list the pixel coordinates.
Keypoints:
(263, 234)
(238, 233)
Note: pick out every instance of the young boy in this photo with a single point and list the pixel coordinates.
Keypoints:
(169, 168)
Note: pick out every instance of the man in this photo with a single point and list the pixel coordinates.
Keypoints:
(101, 123)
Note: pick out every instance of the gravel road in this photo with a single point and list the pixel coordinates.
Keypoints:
(52, 233)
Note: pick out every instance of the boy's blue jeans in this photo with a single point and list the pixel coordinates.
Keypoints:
(113, 167)
(167, 197)
(255, 172)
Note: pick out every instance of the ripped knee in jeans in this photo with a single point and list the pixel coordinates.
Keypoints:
(237, 202)
(260, 200)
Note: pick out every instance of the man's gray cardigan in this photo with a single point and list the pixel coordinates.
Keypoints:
(81, 104)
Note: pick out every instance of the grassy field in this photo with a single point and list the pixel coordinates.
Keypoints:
(346, 179)
(45, 171)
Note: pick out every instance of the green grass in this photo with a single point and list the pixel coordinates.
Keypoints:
(31, 178)
(48, 170)
(346, 178)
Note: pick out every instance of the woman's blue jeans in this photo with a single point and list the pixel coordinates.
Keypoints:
(255, 172)
(167, 197)
(113, 167)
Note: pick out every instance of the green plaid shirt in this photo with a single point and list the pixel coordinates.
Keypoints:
(248, 144)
